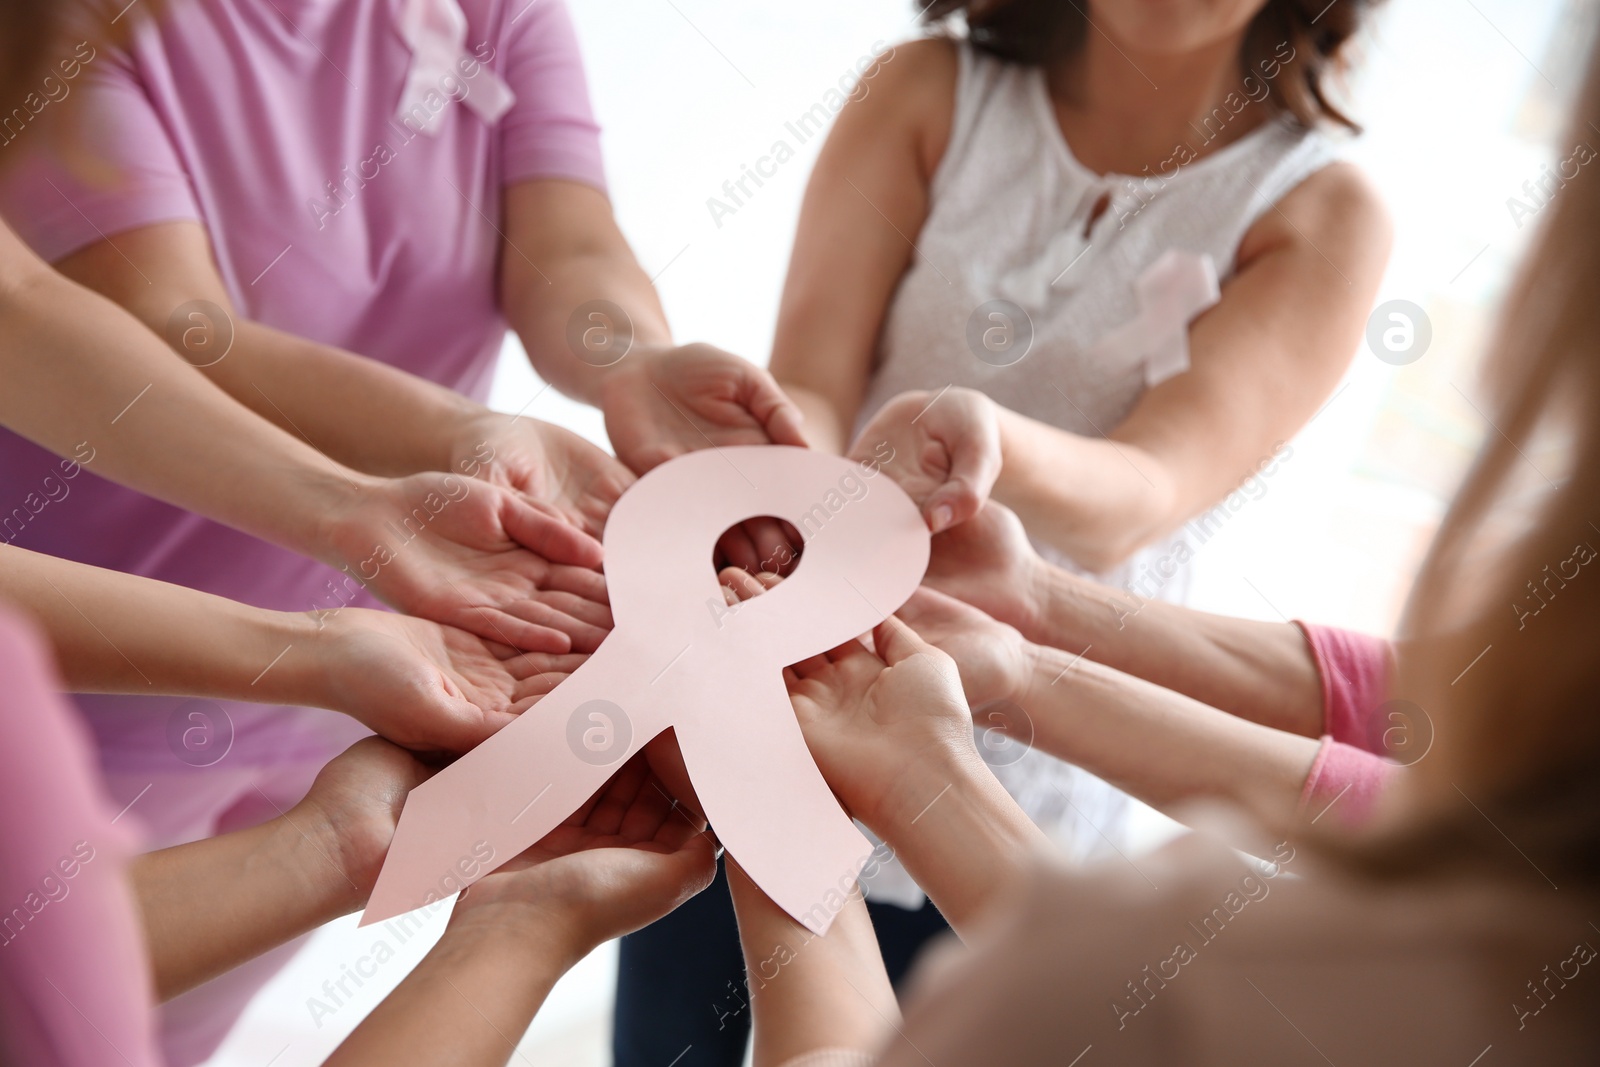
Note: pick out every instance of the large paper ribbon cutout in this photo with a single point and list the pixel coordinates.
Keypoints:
(436, 33)
(679, 656)
(1172, 291)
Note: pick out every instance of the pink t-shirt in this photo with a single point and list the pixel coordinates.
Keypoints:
(1349, 767)
(274, 123)
(74, 981)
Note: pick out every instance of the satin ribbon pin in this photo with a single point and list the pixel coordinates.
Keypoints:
(436, 33)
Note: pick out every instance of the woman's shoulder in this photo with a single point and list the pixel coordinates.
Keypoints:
(912, 87)
(1336, 206)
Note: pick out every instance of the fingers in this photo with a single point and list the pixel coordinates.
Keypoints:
(897, 642)
(496, 624)
(530, 691)
(581, 636)
(525, 665)
(735, 549)
(776, 552)
(547, 535)
(973, 471)
(585, 582)
(740, 584)
(779, 416)
(666, 763)
(616, 797)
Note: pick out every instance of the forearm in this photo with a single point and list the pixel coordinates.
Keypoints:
(573, 342)
(214, 904)
(1260, 671)
(1163, 747)
(468, 1002)
(85, 379)
(807, 992)
(826, 426)
(1094, 499)
(120, 633)
(959, 835)
(363, 413)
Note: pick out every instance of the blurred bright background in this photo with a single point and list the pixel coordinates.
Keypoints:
(1461, 100)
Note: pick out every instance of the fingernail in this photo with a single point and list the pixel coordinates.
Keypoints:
(943, 515)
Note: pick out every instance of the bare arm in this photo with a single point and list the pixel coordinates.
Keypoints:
(363, 413)
(418, 683)
(592, 325)
(564, 255)
(1260, 671)
(810, 993)
(81, 373)
(210, 905)
(864, 207)
(1262, 362)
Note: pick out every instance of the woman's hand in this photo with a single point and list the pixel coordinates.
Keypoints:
(989, 562)
(992, 658)
(550, 466)
(475, 555)
(659, 406)
(943, 448)
(351, 811)
(424, 685)
(625, 859)
(892, 734)
(883, 726)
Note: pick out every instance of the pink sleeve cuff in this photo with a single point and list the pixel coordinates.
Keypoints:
(1355, 670)
(1345, 776)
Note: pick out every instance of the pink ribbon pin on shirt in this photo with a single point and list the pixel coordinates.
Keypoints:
(436, 32)
(679, 656)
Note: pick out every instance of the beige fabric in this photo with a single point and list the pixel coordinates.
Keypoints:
(832, 1057)
(1293, 971)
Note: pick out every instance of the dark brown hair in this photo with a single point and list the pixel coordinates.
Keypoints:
(1314, 33)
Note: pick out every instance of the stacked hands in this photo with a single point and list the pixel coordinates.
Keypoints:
(498, 566)
(499, 569)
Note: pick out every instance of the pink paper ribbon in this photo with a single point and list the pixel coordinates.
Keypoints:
(680, 657)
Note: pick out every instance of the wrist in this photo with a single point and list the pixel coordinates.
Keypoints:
(942, 770)
(529, 929)
(344, 531)
(309, 844)
(286, 661)
(967, 843)
(611, 383)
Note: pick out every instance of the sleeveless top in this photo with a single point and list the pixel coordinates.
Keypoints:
(1013, 218)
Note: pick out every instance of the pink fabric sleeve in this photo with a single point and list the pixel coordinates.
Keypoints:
(1355, 670)
(74, 982)
(1348, 776)
(60, 204)
(550, 131)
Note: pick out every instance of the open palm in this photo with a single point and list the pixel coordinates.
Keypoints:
(550, 466)
(480, 557)
(427, 686)
(623, 860)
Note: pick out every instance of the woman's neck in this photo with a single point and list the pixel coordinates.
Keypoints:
(1123, 110)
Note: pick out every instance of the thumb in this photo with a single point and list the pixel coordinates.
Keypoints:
(772, 408)
(974, 467)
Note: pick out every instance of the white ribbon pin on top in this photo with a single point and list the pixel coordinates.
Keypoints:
(436, 31)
